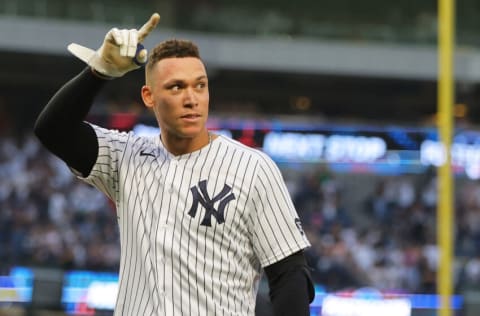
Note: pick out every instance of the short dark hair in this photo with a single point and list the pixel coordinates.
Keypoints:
(172, 48)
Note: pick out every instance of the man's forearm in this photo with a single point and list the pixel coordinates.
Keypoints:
(61, 128)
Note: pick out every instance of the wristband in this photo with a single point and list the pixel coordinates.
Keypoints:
(100, 75)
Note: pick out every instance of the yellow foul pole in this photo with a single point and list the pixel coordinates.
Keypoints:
(445, 127)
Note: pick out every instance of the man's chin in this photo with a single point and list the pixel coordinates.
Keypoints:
(192, 133)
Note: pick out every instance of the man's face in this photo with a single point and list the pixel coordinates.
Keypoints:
(177, 91)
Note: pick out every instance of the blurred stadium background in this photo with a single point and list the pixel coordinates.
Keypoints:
(342, 94)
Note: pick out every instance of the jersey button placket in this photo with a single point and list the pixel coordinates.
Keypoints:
(161, 257)
(161, 262)
(170, 176)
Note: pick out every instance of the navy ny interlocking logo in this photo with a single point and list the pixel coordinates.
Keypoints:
(200, 195)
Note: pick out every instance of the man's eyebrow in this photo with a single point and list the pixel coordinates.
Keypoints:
(174, 81)
(180, 81)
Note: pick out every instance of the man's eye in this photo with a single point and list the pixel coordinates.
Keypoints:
(175, 87)
(201, 85)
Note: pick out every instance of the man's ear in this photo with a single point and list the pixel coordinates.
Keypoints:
(147, 96)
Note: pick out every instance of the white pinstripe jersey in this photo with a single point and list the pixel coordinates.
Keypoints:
(195, 229)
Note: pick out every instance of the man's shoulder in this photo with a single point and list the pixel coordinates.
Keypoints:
(101, 131)
(128, 138)
(239, 146)
(248, 151)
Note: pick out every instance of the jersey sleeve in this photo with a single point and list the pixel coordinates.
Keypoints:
(104, 174)
(277, 231)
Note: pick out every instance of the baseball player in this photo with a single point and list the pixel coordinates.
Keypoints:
(200, 215)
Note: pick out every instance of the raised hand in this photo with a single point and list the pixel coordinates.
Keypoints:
(120, 52)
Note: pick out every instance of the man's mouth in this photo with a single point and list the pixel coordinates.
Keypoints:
(190, 117)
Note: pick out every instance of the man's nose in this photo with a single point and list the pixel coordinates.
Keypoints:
(190, 97)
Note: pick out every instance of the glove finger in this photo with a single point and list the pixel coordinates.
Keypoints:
(124, 45)
(114, 36)
(132, 43)
(148, 27)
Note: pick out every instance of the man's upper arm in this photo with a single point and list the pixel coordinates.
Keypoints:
(291, 286)
(277, 232)
(104, 173)
(79, 150)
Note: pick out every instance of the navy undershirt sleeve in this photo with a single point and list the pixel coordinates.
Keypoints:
(60, 127)
(291, 286)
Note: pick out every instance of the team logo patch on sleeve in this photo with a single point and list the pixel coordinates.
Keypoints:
(201, 196)
(298, 222)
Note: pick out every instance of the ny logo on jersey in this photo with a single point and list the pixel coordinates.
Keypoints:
(204, 199)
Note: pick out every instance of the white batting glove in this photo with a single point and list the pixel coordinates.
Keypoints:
(120, 52)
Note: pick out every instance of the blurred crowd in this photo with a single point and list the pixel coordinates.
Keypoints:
(386, 241)
(47, 217)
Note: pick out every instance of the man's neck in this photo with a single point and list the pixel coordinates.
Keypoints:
(181, 145)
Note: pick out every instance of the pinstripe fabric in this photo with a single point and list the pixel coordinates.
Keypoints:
(177, 257)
